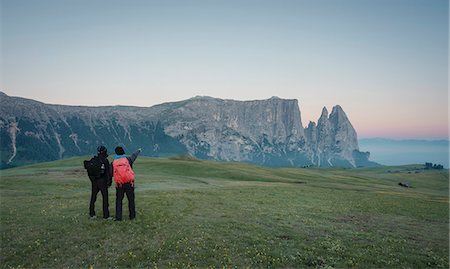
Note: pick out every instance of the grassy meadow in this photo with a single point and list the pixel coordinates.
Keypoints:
(220, 215)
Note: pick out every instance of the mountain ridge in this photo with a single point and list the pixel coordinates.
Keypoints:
(268, 132)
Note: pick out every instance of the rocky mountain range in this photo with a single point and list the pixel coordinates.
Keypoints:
(266, 132)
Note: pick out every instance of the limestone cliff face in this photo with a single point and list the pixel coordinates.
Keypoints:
(267, 132)
(255, 131)
(334, 141)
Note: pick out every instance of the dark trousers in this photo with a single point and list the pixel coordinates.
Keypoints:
(99, 185)
(127, 189)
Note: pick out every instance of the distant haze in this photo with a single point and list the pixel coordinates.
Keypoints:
(397, 152)
(385, 62)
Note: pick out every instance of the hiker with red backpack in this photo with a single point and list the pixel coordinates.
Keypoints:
(122, 171)
(99, 172)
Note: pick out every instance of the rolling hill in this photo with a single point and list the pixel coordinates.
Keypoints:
(194, 213)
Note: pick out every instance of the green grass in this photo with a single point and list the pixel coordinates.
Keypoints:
(214, 214)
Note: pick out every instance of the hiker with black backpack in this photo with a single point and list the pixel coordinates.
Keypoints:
(124, 178)
(99, 172)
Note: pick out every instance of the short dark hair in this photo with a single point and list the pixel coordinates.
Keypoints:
(119, 150)
(102, 150)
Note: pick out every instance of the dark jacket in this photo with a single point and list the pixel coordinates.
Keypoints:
(130, 159)
(107, 176)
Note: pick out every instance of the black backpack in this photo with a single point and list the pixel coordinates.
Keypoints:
(95, 167)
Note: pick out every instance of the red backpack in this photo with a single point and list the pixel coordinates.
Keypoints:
(123, 172)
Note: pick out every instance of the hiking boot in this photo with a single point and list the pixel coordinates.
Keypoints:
(109, 218)
(93, 217)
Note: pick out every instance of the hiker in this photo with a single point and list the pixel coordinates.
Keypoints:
(99, 173)
(124, 178)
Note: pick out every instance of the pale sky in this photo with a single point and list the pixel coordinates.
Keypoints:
(384, 61)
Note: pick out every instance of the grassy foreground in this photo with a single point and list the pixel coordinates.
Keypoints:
(213, 214)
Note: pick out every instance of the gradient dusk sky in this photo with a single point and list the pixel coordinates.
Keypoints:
(384, 61)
